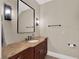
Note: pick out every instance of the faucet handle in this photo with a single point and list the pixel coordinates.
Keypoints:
(29, 37)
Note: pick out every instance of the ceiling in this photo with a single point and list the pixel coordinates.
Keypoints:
(42, 1)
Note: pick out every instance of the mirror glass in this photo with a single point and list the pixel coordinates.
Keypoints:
(26, 17)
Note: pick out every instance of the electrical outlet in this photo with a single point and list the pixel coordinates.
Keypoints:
(71, 45)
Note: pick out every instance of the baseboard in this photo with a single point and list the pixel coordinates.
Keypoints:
(59, 56)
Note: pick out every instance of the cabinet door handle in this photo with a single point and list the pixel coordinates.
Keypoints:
(18, 58)
(41, 51)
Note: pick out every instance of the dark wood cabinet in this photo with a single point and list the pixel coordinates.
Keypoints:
(37, 52)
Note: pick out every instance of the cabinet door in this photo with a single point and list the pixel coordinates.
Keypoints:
(45, 47)
(41, 50)
(42, 56)
(37, 55)
(27, 54)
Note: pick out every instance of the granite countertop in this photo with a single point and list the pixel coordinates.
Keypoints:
(15, 48)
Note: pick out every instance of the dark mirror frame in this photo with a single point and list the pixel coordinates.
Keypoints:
(18, 17)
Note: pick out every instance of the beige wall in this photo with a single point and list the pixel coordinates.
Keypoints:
(10, 27)
(66, 13)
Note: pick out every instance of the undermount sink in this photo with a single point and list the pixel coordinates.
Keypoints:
(33, 41)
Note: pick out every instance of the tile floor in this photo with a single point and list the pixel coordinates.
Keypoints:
(49, 57)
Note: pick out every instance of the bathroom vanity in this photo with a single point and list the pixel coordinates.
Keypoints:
(27, 50)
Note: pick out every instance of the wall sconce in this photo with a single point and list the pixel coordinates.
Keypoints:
(7, 12)
(37, 22)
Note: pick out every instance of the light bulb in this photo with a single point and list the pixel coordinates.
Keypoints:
(37, 22)
(7, 11)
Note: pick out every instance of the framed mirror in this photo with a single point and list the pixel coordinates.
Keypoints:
(25, 17)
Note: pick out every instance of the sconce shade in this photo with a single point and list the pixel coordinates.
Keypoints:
(37, 22)
(7, 12)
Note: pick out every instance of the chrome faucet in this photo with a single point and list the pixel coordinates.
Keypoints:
(29, 37)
